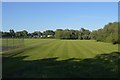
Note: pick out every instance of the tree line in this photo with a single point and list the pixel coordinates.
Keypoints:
(109, 33)
(26, 34)
(81, 34)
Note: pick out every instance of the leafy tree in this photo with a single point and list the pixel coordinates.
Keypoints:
(6, 34)
(37, 34)
(12, 33)
(109, 33)
(24, 33)
(84, 34)
(21, 34)
(58, 33)
(49, 32)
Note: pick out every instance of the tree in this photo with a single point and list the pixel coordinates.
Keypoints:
(58, 34)
(19, 34)
(49, 32)
(109, 33)
(84, 34)
(37, 34)
(1, 34)
(6, 34)
(93, 35)
(24, 33)
(73, 34)
(66, 34)
(12, 33)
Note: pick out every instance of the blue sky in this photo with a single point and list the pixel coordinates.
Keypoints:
(40, 16)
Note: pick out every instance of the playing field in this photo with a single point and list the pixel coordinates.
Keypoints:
(55, 58)
(64, 49)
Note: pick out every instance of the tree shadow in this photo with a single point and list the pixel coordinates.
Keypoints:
(101, 66)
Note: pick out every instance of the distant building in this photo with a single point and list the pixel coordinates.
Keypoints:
(37, 36)
(49, 35)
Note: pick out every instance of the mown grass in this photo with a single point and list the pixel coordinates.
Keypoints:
(12, 41)
(65, 49)
(51, 58)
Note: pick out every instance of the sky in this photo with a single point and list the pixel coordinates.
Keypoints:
(60, 0)
(41, 16)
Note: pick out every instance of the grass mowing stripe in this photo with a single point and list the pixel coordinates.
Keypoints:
(96, 46)
(107, 47)
(52, 51)
(102, 47)
(80, 50)
(55, 50)
(91, 47)
(60, 50)
(40, 51)
(48, 49)
(72, 50)
(29, 50)
(36, 42)
(64, 50)
(86, 52)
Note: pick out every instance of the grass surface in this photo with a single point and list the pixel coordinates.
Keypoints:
(10, 44)
(12, 41)
(45, 58)
(65, 49)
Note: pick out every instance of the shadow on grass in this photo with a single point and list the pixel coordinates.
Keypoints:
(101, 66)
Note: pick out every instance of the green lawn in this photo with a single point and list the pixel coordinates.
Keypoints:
(62, 58)
(65, 49)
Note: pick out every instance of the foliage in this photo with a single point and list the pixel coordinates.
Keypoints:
(72, 34)
(109, 33)
(23, 33)
(49, 32)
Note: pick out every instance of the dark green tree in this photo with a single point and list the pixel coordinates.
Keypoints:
(12, 33)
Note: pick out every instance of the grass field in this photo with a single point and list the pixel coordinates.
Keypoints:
(11, 43)
(62, 58)
(65, 49)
